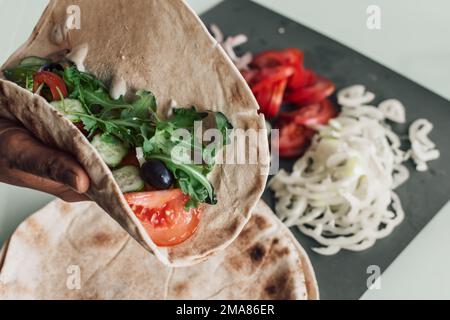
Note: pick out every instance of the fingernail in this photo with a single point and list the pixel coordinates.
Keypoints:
(71, 180)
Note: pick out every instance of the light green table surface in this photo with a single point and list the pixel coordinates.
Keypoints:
(413, 40)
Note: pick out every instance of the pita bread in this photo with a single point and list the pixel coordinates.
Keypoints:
(161, 46)
(265, 262)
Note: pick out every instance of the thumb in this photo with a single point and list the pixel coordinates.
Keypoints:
(24, 152)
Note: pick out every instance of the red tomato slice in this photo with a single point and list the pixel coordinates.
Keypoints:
(273, 58)
(276, 99)
(269, 76)
(302, 78)
(288, 57)
(131, 160)
(322, 89)
(270, 98)
(249, 75)
(264, 97)
(163, 215)
(311, 77)
(294, 139)
(53, 81)
(313, 114)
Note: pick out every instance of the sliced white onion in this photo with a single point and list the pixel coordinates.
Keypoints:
(393, 110)
(355, 96)
(229, 44)
(423, 149)
(340, 192)
(140, 156)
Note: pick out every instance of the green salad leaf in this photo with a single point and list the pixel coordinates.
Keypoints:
(22, 75)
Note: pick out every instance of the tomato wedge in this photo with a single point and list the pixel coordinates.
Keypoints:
(53, 81)
(294, 139)
(249, 75)
(131, 159)
(163, 215)
(270, 98)
(276, 99)
(266, 77)
(273, 58)
(313, 114)
(291, 57)
(322, 89)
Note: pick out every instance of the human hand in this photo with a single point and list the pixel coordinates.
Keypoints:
(26, 162)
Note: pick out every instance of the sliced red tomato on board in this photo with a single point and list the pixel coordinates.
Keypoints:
(274, 58)
(301, 79)
(163, 215)
(291, 57)
(249, 75)
(313, 114)
(267, 77)
(263, 97)
(311, 78)
(322, 89)
(53, 81)
(294, 139)
(270, 98)
(276, 99)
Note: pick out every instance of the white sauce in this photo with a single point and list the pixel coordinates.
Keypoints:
(78, 56)
(118, 88)
(173, 104)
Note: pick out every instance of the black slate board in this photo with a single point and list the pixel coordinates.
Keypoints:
(344, 275)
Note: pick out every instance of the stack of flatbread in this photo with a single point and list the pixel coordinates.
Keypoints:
(78, 252)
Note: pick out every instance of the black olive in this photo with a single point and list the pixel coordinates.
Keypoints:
(155, 173)
(52, 67)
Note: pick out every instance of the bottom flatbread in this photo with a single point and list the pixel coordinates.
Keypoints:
(77, 251)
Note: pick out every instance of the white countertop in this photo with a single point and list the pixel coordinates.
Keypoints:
(412, 41)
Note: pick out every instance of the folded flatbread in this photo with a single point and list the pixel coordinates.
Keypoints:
(160, 46)
(78, 252)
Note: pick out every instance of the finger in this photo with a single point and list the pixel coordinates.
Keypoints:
(25, 153)
(27, 180)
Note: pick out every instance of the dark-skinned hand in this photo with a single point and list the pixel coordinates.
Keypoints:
(26, 162)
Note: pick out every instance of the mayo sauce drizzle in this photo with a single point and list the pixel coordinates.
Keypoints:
(78, 56)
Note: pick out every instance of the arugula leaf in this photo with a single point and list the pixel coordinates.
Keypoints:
(224, 126)
(143, 108)
(191, 179)
(185, 118)
(102, 98)
(90, 124)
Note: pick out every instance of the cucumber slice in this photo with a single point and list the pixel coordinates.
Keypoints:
(68, 107)
(112, 151)
(21, 75)
(34, 61)
(129, 179)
